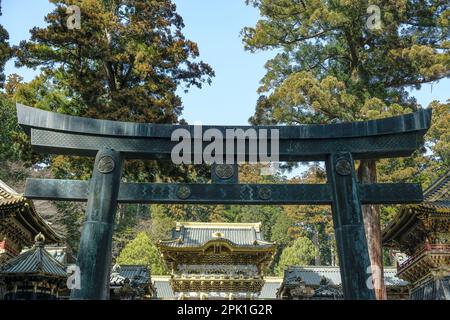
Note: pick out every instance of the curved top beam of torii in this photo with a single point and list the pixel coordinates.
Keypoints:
(63, 134)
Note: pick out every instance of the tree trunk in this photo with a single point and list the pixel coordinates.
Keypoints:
(317, 245)
(367, 173)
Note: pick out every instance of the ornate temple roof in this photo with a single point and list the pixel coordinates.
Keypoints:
(199, 234)
(436, 205)
(216, 258)
(36, 261)
(437, 195)
(13, 204)
(131, 282)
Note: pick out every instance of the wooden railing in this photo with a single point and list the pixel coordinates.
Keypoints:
(438, 248)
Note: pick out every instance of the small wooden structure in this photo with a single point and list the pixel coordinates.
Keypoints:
(131, 282)
(33, 275)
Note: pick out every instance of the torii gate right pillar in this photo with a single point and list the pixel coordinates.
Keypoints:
(354, 261)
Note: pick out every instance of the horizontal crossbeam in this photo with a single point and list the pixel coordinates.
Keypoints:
(289, 150)
(248, 194)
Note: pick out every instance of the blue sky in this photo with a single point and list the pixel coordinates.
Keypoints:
(215, 25)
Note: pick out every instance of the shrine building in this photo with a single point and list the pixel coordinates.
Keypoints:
(324, 283)
(217, 260)
(422, 235)
(33, 275)
(20, 224)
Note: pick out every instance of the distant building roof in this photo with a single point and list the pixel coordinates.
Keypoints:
(137, 274)
(312, 276)
(14, 205)
(163, 287)
(63, 254)
(197, 234)
(270, 288)
(36, 261)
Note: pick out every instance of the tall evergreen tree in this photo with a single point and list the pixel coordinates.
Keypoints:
(125, 62)
(339, 61)
(5, 50)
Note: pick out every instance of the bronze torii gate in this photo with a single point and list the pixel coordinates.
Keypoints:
(111, 142)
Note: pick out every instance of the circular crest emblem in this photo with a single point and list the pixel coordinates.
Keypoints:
(343, 167)
(264, 193)
(106, 164)
(183, 192)
(224, 171)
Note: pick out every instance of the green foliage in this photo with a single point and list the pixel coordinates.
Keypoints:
(161, 225)
(8, 147)
(331, 66)
(124, 63)
(300, 253)
(281, 230)
(5, 51)
(72, 216)
(142, 251)
(267, 215)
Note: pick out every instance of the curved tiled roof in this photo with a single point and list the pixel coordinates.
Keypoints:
(36, 261)
(438, 193)
(24, 211)
(198, 234)
(313, 275)
(270, 288)
(8, 196)
(137, 274)
(163, 287)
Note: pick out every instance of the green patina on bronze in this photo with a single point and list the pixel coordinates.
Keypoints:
(112, 142)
